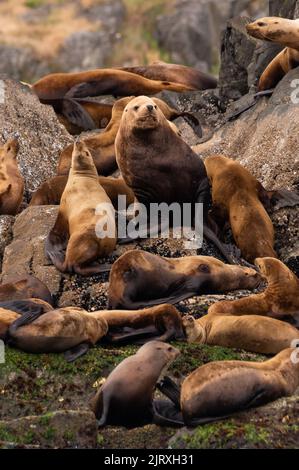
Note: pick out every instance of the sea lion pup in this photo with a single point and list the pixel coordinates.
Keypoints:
(179, 177)
(71, 329)
(238, 197)
(164, 320)
(61, 89)
(100, 114)
(126, 396)
(218, 389)
(189, 76)
(282, 31)
(101, 146)
(140, 279)
(250, 332)
(25, 287)
(85, 212)
(11, 180)
(50, 192)
(280, 299)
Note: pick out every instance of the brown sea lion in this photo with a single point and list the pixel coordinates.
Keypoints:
(126, 396)
(70, 329)
(24, 287)
(188, 76)
(50, 192)
(101, 146)
(84, 207)
(238, 197)
(282, 31)
(62, 89)
(100, 114)
(280, 299)
(164, 320)
(218, 389)
(11, 180)
(250, 332)
(179, 177)
(139, 279)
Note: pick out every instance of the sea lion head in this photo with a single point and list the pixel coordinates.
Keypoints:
(10, 150)
(194, 332)
(142, 113)
(159, 349)
(268, 28)
(276, 272)
(82, 159)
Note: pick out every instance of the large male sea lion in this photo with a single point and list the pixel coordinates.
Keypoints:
(219, 389)
(24, 287)
(253, 333)
(127, 395)
(77, 220)
(50, 192)
(238, 197)
(139, 279)
(62, 89)
(11, 180)
(280, 299)
(157, 164)
(188, 76)
(282, 31)
(70, 329)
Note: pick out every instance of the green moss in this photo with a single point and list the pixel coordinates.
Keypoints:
(69, 436)
(28, 437)
(49, 433)
(6, 435)
(254, 435)
(45, 419)
(34, 3)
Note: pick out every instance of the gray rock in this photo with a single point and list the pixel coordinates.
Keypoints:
(41, 136)
(20, 63)
(286, 9)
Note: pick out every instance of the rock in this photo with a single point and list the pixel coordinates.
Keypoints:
(41, 136)
(265, 140)
(236, 54)
(6, 223)
(20, 63)
(58, 429)
(287, 9)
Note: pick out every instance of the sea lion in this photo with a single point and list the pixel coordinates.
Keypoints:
(50, 192)
(24, 287)
(84, 207)
(280, 299)
(70, 329)
(250, 332)
(164, 320)
(180, 176)
(236, 197)
(282, 31)
(218, 389)
(101, 146)
(139, 279)
(188, 76)
(100, 114)
(126, 396)
(62, 89)
(11, 180)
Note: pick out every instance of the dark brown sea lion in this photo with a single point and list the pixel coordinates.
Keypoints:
(127, 395)
(139, 279)
(157, 164)
(62, 89)
(69, 329)
(50, 192)
(24, 287)
(80, 215)
(11, 180)
(175, 73)
(280, 299)
(238, 197)
(282, 31)
(250, 332)
(162, 321)
(218, 389)
(101, 146)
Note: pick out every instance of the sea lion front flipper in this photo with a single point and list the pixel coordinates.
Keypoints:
(76, 114)
(92, 88)
(35, 312)
(21, 306)
(76, 352)
(56, 242)
(284, 198)
(166, 413)
(193, 121)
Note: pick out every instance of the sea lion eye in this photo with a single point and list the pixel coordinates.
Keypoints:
(155, 106)
(136, 108)
(203, 268)
(261, 24)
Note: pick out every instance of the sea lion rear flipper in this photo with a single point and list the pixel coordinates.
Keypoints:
(166, 413)
(93, 268)
(76, 114)
(76, 352)
(21, 306)
(132, 336)
(56, 242)
(170, 389)
(193, 121)
(224, 249)
(92, 88)
(284, 198)
(249, 105)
